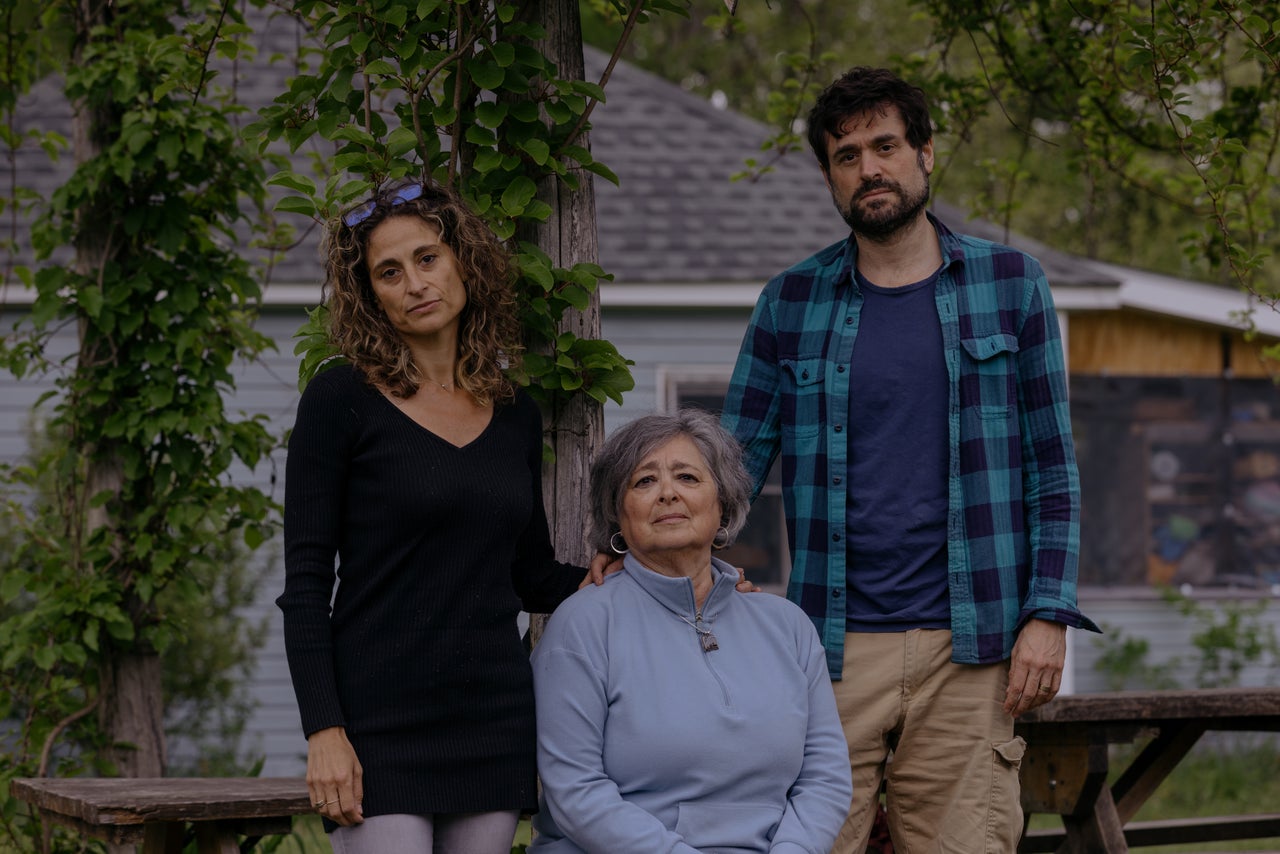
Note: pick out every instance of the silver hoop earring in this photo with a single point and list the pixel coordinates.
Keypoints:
(613, 545)
(721, 539)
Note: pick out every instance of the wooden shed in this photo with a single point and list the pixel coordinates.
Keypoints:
(1176, 415)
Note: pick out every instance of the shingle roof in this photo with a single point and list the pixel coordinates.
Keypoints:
(676, 217)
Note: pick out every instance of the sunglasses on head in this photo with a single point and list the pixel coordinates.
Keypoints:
(358, 215)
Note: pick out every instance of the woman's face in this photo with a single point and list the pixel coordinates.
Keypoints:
(416, 278)
(670, 506)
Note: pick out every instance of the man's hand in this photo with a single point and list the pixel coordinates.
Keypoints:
(1035, 671)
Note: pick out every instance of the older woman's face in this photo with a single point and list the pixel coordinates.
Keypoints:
(671, 504)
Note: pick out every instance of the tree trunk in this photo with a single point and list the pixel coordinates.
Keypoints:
(132, 712)
(568, 237)
(131, 697)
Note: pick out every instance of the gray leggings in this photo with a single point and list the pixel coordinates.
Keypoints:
(443, 833)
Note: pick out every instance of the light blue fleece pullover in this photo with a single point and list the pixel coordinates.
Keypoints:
(647, 744)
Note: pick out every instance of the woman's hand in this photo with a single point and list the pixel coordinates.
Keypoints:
(744, 586)
(601, 565)
(335, 779)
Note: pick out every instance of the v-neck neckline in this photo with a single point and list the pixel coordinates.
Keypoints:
(493, 414)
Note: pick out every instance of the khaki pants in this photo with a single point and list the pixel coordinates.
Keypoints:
(936, 734)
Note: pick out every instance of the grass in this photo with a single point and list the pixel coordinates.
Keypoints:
(1235, 776)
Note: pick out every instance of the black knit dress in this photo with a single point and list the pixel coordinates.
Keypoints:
(438, 549)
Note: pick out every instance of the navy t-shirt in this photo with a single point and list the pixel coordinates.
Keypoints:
(897, 506)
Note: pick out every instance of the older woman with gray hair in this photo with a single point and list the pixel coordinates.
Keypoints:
(675, 714)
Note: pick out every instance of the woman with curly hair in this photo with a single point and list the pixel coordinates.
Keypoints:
(417, 466)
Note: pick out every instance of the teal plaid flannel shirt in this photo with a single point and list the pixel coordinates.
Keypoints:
(1013, 524)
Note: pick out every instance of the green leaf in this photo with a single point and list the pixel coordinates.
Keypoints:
(538, 150)
(12, 584)
(486, 160)
(504, 53)
(603, 171)
(90, 635)
(559, 112)
(477, 135)
(44, 657)
(538, 210)
(293, 181)
(486, 75)
(298, 205)
(518, 195)
(491, 113)
(396, 15)
(356, 134)
(168, 148)
(380, 67)
(401, 141)
(576, 296)
(586, 87)
(90, 299)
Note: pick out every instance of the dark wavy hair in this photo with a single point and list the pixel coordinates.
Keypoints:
(488, 330)
(863, 90)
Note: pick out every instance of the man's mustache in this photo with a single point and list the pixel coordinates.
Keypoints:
(877, 184)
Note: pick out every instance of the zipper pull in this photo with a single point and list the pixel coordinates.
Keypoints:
(709, 642)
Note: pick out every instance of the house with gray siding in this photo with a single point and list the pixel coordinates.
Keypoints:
(690, 250)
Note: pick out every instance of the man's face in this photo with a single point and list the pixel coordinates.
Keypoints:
(878, 182)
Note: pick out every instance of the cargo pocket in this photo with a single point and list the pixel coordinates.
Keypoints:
(1004, 813)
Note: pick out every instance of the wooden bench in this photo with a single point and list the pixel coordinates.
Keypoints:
(159, 813)
(1067, 763)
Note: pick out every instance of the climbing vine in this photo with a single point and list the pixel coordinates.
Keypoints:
(126, 516)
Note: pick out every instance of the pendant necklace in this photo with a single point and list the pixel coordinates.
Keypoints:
(705, 637)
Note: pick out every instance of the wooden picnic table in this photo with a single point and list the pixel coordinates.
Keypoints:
(1064, 771)
(156, 812)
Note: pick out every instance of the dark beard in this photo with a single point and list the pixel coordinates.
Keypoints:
(889, 218)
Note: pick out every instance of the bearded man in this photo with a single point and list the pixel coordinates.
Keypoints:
(912, 380)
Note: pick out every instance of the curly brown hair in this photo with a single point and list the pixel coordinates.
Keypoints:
(488, 330)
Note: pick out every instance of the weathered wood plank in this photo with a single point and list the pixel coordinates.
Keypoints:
(1238, 707)
(103, 801)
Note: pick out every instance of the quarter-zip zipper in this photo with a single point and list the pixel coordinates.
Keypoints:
(706, 654)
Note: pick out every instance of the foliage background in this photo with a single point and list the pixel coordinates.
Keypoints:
(1113, 130)
(1144, 134)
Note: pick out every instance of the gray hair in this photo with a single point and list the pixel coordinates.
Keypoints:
(631, 443)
